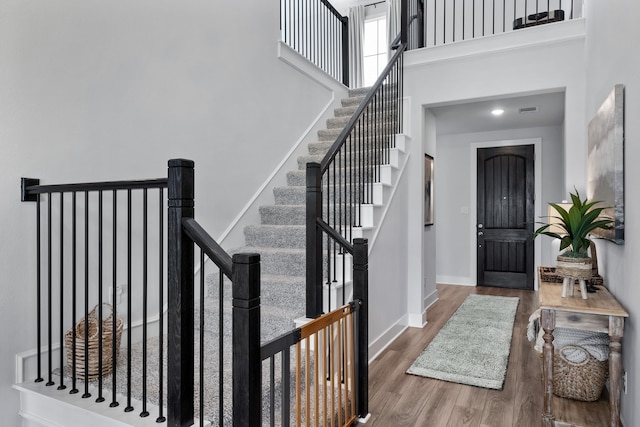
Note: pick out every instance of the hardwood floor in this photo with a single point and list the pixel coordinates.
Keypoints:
(398, 399)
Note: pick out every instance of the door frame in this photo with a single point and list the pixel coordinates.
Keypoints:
(537, 246)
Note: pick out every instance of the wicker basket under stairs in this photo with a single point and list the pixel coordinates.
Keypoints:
(92, 345)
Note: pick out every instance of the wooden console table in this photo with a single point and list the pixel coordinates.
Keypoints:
(601, 313)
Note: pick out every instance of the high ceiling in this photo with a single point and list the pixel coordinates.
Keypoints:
(475, 116)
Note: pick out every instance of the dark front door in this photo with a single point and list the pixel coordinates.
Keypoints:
(505, 216)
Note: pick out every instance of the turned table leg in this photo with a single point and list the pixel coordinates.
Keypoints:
(548, 320)
(616, 329)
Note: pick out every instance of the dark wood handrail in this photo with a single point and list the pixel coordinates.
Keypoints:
(331, 154)
(96, 186)
(333, 10)
(207, 243)
(335, 235)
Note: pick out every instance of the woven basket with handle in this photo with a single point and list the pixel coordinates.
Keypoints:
(581, 381)
(91, 341)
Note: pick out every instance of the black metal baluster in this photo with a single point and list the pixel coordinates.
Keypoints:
(272, 391)
(129, 407)
(161, 418)
(221, 345)
(144, 412)
(100, 259)
(74, 252)
(201, 347)
(286, 386)
(39, 378)
(86, 393)
(61, 386)
(49, 291)
(114, 304)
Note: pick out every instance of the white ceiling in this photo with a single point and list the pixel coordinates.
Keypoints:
(475, 116)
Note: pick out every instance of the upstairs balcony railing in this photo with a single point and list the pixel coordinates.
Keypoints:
(448, 21)
(317, 31)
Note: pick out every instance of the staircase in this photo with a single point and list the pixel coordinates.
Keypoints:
(280, 240)
(280, 237)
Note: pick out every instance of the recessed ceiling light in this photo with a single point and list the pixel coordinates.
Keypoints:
(497, 112)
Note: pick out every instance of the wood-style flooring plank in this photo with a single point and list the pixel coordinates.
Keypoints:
(398, 399)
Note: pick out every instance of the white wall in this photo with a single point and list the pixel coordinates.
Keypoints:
(94, 90)
(535, 60)
(454, 210)
(612, 58)
(388, 274)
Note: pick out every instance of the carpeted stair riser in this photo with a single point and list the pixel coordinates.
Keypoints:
(374, 156)
(298, 195)
(277, 236)
(382, 128)
(298, 178)
(278, 260)
(341, 121)
(283, 214)
(322, 147)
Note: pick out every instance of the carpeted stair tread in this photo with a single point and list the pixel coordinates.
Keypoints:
(332, 134)
(297, 178)
(359, 91)
(276, 236)
(283, 214)
(346, 160)
(353, 100)
(279, 260)
(291, 195)
(345, 111)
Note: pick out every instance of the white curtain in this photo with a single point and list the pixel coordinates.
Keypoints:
(393, 20)
(356, 37)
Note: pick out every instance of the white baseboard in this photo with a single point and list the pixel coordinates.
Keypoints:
(455, 280)
(379, 344)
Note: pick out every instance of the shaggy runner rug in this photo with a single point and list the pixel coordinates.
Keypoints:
(473, 346)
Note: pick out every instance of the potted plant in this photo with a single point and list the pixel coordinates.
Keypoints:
(575, 224)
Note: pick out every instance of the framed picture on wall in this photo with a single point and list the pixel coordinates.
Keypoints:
(605, 169)
(428, 190)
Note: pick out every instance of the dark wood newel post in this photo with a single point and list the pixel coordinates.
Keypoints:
(247, 362)
(314, 242)
(361, 294)
(180, 292)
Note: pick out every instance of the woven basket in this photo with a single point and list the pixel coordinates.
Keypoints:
(92, 343)
(580, 381)
(575, 268)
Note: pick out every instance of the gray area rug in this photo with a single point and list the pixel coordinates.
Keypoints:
(473, 346)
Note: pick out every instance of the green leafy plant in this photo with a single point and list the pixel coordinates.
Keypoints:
(581, 219)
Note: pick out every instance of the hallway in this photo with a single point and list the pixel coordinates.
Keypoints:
(398, 399)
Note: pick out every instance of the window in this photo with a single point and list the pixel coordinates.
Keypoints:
(374, 49)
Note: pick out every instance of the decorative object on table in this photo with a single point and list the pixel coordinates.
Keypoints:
(605, 162)
(428, 190)
(572, 227)
(92, 343)
(473, 346)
